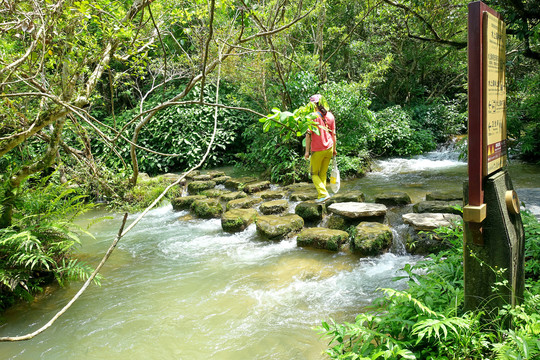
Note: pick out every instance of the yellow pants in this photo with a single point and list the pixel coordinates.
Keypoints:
(319, 166)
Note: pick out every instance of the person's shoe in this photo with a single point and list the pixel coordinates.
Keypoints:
(323, 199)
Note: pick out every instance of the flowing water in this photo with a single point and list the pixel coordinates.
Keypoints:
(187, 290)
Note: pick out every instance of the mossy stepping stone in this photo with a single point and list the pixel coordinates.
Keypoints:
(393, 199)
(309, 210)
(196, 187)
(256, 186)
(236, 184)
(436, 206)
(236, 220)
(232, 196)
(277, 227)
(243, 203)
(215, 193)
(220, 180)
(322, 238)
(184, 202)
(274, 207)
(207, 208)
(371, 239)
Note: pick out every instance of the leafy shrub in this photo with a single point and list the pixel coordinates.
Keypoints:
(37, 248)
(532, 245)
(182, 130)
(441, 118)
(427, 322)
(392, 134)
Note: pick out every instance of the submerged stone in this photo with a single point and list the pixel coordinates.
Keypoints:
(243, 203)
(371, 239)
(207, 208)
(196, 187)
(236, 220)
(322, 238)
(310, 210)
(276, 227)
(184, 202)
(274, 207)
(449, 207)
(393, 199)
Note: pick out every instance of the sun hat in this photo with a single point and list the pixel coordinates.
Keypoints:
(315, 98)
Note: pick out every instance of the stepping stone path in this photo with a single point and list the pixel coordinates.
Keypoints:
(248, 200)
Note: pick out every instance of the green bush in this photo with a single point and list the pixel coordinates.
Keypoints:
(36, 249)
(392, 133)
(532, 245)
(441, 118)
(427, 321)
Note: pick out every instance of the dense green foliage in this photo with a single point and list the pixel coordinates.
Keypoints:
(37, 248)
(427, 320)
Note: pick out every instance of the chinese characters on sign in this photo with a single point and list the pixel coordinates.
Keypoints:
(494, 99)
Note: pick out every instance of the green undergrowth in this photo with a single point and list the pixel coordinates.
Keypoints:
(427, 321)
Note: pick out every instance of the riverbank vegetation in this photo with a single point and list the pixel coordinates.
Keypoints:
(427, 321)
(95, 93)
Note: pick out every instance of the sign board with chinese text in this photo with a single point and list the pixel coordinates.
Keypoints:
(494, 97)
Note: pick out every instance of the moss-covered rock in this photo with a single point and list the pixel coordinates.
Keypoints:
(232, 196)
(215, 193)
(196, 187)
(272, 194)
(346, 196)
(310, 210)
(236, 184)
(444, 196)
(274, 207)
(256, 186)
(337, 222)
(207, 208)
(393, 199)
(304, 195)
(192, 174)
(184, 202)
(236, 220)
(276, 227)
(371, 238)
(220, 180)
(322, 238)
(243, 203)
(448, 207)
(202, 177)
(301, 186)
(216, 173)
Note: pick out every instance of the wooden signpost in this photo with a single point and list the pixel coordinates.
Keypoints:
(493, 231)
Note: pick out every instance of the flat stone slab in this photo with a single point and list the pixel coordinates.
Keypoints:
(243, 203)
(322, 238)
(355, 210)
(429, 221)
(236, 220)
(274, 207)
(276, 227)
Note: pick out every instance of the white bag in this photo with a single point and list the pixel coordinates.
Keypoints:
(334, 177)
